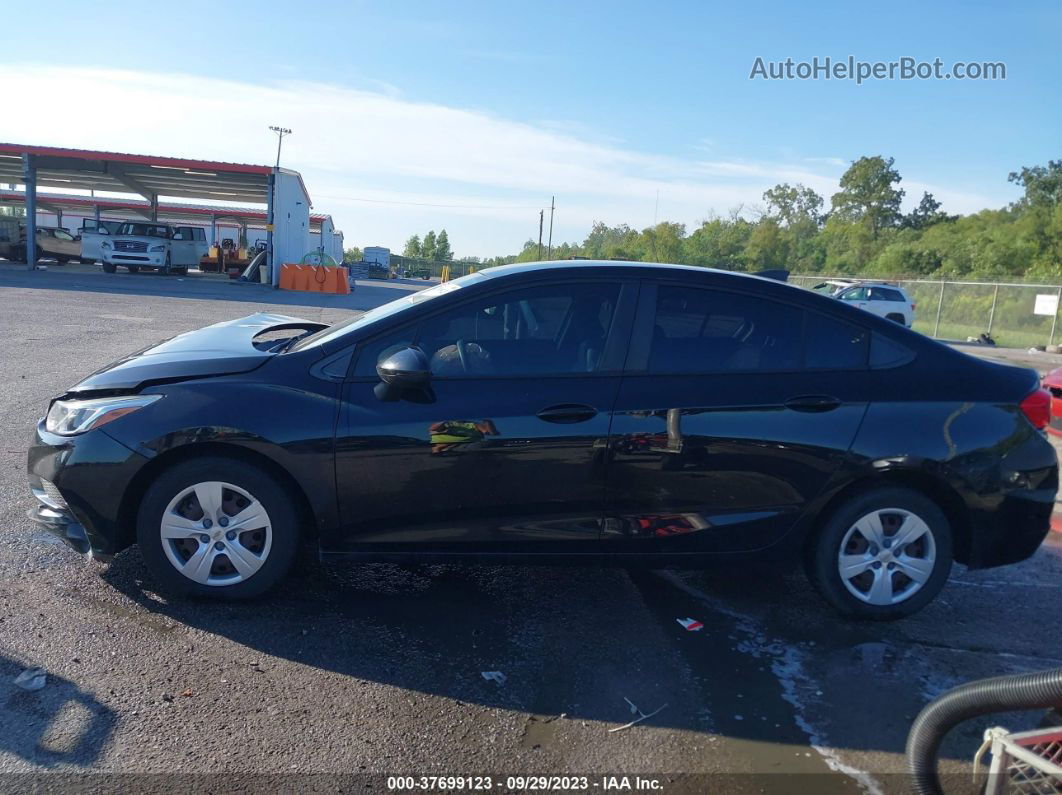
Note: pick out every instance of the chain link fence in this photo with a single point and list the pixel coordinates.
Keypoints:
(959, 310)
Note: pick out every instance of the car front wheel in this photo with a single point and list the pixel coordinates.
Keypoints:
(882, 555)
(218, 528)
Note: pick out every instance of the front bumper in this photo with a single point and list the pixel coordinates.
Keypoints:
(62, 524)
(144, 260)
(80, 483)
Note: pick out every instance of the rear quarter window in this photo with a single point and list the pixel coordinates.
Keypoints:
(831, 344)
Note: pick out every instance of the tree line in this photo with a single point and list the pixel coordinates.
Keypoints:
(864, 232)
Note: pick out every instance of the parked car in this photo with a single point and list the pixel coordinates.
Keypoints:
(52, 243)
(147, 244)
(1053, 383)
(884, 300)
(623, 413)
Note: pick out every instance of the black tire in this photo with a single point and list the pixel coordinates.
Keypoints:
(824, 549)
(133, 268)
(897, 318)
(62, 260)
(262, 486)
(109, 267)
(181, 271)
(166, 266)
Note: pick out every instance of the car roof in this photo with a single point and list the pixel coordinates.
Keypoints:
(616, 266)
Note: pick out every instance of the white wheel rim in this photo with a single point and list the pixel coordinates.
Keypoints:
(887, 556)
(216, 534)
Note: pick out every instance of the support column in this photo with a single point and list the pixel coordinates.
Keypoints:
(274, 269)
(154, 207)
(213, 230)
(97, 217)
(29, 177)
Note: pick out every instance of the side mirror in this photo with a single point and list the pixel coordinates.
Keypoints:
(408, 367)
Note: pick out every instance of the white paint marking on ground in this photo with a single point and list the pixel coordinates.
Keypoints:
(787, 664)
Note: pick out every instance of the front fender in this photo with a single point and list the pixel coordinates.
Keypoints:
(293, 428)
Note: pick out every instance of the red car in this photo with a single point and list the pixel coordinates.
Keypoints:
(1053, 384)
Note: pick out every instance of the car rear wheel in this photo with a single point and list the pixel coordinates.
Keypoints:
(884, 554)
(133, 268)
(109, 267)
(897, 318)
(218, 528)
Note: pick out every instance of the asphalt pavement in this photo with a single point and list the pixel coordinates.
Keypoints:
(351, 673)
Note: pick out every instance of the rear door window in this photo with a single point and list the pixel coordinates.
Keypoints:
(703, 331)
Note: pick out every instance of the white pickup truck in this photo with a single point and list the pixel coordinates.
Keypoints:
(145, 244)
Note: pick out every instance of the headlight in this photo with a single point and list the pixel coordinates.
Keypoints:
(71, 417)
(105, 245)
(157, 249)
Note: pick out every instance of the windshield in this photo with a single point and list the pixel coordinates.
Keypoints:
(333, 332)
(145, 230)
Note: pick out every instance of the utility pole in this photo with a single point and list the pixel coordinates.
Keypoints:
(552, 204)
(541, 214)
(281, 132)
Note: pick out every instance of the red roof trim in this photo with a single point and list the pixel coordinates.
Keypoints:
(146, 160)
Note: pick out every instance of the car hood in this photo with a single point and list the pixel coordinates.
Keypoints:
(221, 349)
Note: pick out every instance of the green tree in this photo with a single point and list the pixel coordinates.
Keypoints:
(443, 252)
(869, 194)
(663, 242)
(352, 254)
(1043, 185)
(794, 204)
(427, 247)
(412, 248)
(925, 214)
(767, 246)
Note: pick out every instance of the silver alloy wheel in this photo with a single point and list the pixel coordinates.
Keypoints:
(215, 533)
(887, 556)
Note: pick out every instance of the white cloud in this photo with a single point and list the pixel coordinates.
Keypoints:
(355, 145)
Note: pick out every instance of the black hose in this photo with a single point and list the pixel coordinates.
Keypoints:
(1000, 694)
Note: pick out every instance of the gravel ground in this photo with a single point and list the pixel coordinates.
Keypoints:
(371, 670)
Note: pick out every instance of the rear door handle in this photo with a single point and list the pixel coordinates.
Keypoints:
(567, 413)
(812, 403)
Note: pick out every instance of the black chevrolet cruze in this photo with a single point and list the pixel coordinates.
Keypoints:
(621, 413)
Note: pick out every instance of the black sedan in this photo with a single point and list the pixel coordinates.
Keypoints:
(599, 412)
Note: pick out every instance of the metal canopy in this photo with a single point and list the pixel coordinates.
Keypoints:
(145, 175)
(189, 213)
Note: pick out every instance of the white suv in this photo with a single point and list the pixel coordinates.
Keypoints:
(885, 300)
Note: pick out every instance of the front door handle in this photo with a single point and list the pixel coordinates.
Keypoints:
(567, 413)
(813, 403)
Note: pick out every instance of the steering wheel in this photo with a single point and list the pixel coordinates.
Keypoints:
(462, 354)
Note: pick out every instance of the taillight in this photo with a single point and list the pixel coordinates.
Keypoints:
(913, 305)
(1037, 407)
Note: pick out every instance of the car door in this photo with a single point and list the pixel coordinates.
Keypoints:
(733, 413)
(506, 451)
(183, 247)
(64, 244)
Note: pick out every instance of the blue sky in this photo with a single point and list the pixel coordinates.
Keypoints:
(490, 107)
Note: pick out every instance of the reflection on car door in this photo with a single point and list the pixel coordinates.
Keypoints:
(506, 451)
(733, 414)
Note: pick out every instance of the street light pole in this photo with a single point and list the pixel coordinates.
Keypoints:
(281, 132)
